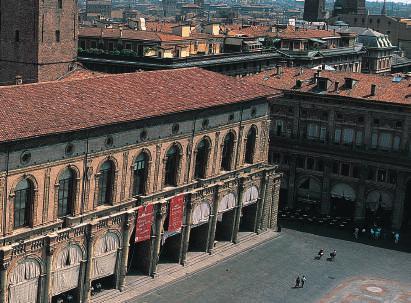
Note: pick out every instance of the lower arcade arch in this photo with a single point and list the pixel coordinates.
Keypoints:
(225, 218)
(342, 200)
(248, 218)
(24, 282)
(66, 274)
(200, 227)
(105, 261)
(378, 210)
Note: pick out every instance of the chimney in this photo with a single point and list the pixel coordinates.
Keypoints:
(323, 66)
(279, 69)
(19, 80)
(336, 85)
(318, 73)
(373, 89)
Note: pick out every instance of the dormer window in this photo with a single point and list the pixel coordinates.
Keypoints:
(350, 83)
(322, 83)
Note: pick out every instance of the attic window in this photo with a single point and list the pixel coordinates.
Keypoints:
(322, 83)
(349, 83)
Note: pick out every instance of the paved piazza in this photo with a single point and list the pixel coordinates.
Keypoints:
(360, 273)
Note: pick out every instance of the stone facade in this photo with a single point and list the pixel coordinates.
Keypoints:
(38, 39)
(55, 257)
(343, 157)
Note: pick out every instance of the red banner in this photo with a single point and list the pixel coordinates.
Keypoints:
(143, 223)
(175, 219)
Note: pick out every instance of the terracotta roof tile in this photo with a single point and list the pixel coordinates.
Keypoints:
(62, 106)
(116, 33)
(387, 89)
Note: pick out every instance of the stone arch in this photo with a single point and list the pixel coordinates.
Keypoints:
(77, 187)
(24, 279)
(63, 251)
(105, 254)
(30, 177)
(309, 188)
(107, 242)
(201, 213)
(179, 147)
(343, 191)
(250, 158)
(147, 153)
(97, 175)
(228, 202)
(33, 205)
(66, 268)
(379, 198)
(250, 195)
(209, 150)
(233, 153)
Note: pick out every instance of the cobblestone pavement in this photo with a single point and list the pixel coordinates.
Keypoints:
(267, 274)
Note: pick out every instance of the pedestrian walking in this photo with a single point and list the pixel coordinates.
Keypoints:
(356, 231)
(303, 279)
(297, 282)
(396, 238)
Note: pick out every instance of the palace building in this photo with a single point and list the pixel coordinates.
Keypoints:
(343, 144)
(117, 173)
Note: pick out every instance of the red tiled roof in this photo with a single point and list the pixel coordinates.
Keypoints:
(62, 106)
(387, 90)
(292, 33)
(116, 33)
(288, 33)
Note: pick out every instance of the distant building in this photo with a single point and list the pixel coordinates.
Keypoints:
(397, 29)
(314, 10)
(98, 8)
(349, 7)
(38, 40)
(343, 144)
(169, 8)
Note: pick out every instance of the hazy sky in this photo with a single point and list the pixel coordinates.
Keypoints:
(403, 1)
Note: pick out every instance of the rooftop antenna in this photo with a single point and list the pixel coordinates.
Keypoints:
(384, 9)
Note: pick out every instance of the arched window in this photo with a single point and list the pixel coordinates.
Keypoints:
(201, 159)
(66, 192)
(172, 163)
(23, 199)
(250, 146)
(140, 174)
(106, 183)
(227, 154)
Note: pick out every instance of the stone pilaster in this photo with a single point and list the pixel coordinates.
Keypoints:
(89, 266)
(186, 229)
(291, 182)
(274, 204)
(213, 218)
(125, 250)
(325, 191)
(240, 191)
(359, 212)
(260, 202)
(47, 278)
(398, 206)
(3, 281)
(159, 219)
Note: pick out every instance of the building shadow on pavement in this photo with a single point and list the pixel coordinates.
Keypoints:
(347, 234)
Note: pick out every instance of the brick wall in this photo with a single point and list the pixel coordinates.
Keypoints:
(34, 52)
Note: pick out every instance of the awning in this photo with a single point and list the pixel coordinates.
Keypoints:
(318, 41)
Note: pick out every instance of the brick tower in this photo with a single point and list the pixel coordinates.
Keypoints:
(38, 39)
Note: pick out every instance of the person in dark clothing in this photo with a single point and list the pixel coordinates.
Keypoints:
(297, 282)
(303, 279)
